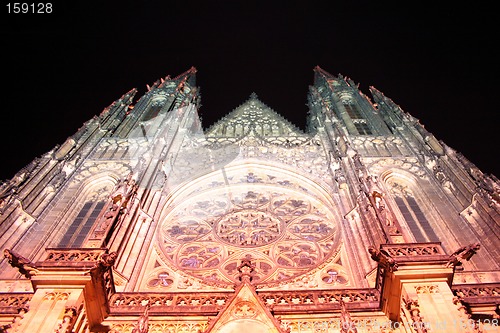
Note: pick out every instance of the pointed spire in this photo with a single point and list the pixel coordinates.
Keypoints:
(142, 325)
(347, 324)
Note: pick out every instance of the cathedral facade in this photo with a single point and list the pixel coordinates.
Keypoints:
(143, 221)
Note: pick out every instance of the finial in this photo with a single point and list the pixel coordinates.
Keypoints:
(246, 269)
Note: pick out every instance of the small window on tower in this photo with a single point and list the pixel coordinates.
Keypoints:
(356, 117)
(363, 128)
(353, 111)
(152, 112)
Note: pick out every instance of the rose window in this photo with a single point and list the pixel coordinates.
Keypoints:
(249, 228)
(285, 233)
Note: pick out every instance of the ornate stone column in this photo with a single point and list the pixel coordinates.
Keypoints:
(69, 285)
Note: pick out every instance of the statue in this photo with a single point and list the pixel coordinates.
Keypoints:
(104, 262)
(464, 253)
(383, 258)
(24, 265)
(107, 260)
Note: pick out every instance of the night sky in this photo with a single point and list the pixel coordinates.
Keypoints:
(440, 64)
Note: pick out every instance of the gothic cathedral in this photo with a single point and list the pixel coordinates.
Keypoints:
(143, 221)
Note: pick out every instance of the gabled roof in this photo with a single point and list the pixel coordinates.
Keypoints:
(245, 313)
(253, 118)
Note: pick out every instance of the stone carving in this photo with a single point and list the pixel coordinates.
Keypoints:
(427, 289)
(162, 279)
(25, 266)
(287, 235)
(56, 296)
(106, 260)
(210, 301)
(73, 255)
(411, 250)
(470, 325)
(464, 253)
(482, 290)
(69, 318)
(347, 324)
(383, 258)
(246, 269)
(171, 327)
(249, 228)
(417, 320)
(10, 188)
(244, 309)
(4, 328)
(315, 298)
(377, 200)
(142, 325)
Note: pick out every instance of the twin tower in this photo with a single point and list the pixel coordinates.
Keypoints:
(143, 221)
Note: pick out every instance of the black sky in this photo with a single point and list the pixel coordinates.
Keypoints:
(440, 64)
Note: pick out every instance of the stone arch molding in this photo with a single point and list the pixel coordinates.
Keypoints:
(94, 170)
(407, 168)
(286, 223)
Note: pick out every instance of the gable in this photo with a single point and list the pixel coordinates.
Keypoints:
(253, 118)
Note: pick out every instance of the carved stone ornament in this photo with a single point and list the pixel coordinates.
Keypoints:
(286, 234)
(25, 266)
(383, 258)
(464, 253)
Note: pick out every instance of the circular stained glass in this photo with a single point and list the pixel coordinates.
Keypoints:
(286, 234)
(249, 228)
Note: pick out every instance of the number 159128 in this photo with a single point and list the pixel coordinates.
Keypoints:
(29, 8)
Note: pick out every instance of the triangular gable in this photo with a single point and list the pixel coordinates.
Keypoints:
(245, 313)
(253, 118)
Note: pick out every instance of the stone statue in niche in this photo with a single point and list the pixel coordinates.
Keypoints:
(376, 197)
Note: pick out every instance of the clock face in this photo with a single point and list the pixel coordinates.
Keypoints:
(285, 232)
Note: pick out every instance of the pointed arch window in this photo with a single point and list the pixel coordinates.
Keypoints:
(82, 224)
(152, 112)
(413, 214)
(356, 117)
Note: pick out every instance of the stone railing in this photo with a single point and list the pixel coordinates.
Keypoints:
(173, 303)
(61, 257)
(480, 293)
(414, 249)
(13, 303)
(210, 303)
(320, 300)
(402, 252)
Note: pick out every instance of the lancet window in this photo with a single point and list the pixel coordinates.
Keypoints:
(413, 213)
(153, 111)
(355, 116)
(82, 224)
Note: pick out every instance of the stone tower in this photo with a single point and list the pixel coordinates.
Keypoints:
(144, 222)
